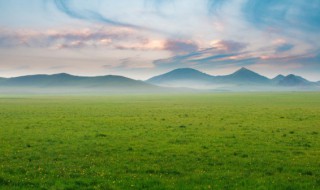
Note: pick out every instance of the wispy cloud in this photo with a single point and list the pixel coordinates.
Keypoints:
(284, 47)
(66, 6)
(229, 45)
(92, 15)
(214, 6)
(60, 39)
(221, 52)
(284, 14)
(180, 46)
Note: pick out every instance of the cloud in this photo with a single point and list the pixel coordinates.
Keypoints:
(84, 13)
(159, 5)
(71, 39)
(129, 63)
(229, 45)
(115, 38)
(143, 44)
(284, 14)
(222, 52)
(180, 46)
(215, 5)
(284, 47)
(66, 6)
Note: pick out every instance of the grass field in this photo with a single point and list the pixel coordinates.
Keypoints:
(196, 141)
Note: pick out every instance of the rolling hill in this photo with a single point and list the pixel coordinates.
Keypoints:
(69, 82)
(66, 80)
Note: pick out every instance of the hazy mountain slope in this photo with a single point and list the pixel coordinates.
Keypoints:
(243, 76)
(278, 78)
(181, 74)
(184, 77)
(293, 80)
(66, 80)
(40, 80)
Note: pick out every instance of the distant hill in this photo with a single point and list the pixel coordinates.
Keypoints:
(184, 77)
(243, 76)
(293, 80)
(64, 80)
(277, 79)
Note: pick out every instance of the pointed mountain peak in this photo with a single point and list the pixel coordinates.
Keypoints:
(279, 77)
(246, 76)
(244, 71)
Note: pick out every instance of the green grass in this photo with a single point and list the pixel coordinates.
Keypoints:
(199, 141)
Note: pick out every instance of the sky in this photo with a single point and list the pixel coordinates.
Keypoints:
(143, 38)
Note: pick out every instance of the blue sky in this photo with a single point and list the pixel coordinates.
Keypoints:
(142, 38)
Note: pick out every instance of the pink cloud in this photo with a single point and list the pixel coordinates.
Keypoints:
(180, 46)
(228, 45)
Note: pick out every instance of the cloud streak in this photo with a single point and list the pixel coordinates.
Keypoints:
(284, 47)
(66, 38)
(214, 6)
(66, 7)
(221, 52)
(299, 15)
(112, 38)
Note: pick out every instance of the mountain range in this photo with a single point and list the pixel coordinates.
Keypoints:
(183, 78)
(242, 78)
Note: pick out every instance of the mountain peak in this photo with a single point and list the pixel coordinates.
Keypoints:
(244, 70)
(278, 78)
(245, 76)
(293, 80)
(187, 70)
(62, 74)
(181, 74)
(292, 76)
